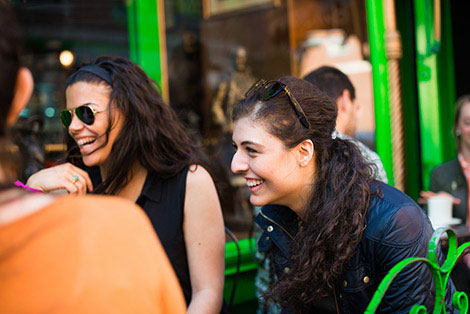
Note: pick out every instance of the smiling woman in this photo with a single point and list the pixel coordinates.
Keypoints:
(258, 159)
(330, 230)
(94, 146)
(118, 123)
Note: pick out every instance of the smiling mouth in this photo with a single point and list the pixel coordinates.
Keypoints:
(253, 183)
(82, 143)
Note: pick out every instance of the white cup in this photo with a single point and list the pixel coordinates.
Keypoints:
(440, 210)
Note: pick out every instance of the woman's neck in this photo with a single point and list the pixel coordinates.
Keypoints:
(465, 151)
(133, 189)
(307, 180)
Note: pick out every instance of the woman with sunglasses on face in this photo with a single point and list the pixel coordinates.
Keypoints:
(58, 254)
(330, 230)
(117, 120)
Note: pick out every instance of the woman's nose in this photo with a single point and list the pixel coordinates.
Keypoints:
(239, 164)
(75, 124)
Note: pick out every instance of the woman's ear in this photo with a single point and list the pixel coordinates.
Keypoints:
(305, 152)
(23, 91)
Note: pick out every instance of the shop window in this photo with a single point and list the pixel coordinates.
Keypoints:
(213, 51)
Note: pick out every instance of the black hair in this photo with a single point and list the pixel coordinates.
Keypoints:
(331, 81)
(151, 133)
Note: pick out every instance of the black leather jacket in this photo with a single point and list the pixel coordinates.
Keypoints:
(396, 228)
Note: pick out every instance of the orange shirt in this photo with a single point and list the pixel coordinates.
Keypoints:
(89, 254)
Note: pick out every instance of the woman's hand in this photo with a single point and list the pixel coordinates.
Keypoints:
(65, 176)
(204, 236)
(425, 195)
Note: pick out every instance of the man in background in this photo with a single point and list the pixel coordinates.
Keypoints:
(337, 85)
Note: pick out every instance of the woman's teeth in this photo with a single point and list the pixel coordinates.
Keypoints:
(85, 141)
(253, 183)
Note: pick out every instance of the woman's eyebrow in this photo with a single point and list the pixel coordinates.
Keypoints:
(251, 143)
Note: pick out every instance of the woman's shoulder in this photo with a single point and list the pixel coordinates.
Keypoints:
(197, 174)
(93, 211)
(451, 165)
(393, 217)
(388, 196)
(99, 205)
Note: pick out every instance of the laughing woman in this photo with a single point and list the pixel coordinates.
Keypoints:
(331, 231)
(117, 120)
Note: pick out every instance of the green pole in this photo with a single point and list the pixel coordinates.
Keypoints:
(406, 25)
(383, 131)
(147, 47)
(447, 83)
(436, 91)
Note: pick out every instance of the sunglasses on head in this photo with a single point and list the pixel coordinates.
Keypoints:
(269, 89)
(85, 113)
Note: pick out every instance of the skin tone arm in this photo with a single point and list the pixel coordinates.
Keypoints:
(60, 177)
(425, 195)
(204, 236)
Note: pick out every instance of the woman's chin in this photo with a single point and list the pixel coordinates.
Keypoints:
(89, 161)
(255, 201)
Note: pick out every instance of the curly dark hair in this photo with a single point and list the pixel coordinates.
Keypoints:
(151, 133)
(335, 213)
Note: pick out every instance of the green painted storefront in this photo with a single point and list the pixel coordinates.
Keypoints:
(428, 91)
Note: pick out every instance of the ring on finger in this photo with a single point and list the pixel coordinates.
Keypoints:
(75, 179)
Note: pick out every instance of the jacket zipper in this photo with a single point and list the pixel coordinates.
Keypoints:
(282, 228)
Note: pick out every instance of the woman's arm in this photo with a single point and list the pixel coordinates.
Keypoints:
(437, 187)
(63, 176)
(204, 236)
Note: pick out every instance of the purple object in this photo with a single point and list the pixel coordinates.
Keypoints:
(24, 186)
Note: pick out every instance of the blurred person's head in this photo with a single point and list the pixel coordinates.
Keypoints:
(117, 118)
(16, 82)
(462, 123)
(337, 85)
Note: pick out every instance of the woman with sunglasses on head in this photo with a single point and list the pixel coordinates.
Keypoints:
(330, 230)
(117, 121)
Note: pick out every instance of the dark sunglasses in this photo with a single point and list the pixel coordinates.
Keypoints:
(85, 113)
(269, 89)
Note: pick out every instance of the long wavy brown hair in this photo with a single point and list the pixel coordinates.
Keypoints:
(151, 134)
(335, 212)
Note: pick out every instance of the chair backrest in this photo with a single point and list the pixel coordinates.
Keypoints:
(440, 274)
(239, 262)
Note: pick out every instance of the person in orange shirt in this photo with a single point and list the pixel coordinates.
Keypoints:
(71, 254)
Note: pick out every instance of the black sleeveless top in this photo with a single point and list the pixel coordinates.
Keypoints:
(163, 201)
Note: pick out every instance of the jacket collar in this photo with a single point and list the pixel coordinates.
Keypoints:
(282, 216)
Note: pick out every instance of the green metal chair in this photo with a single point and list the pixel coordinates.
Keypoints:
(440, 273)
